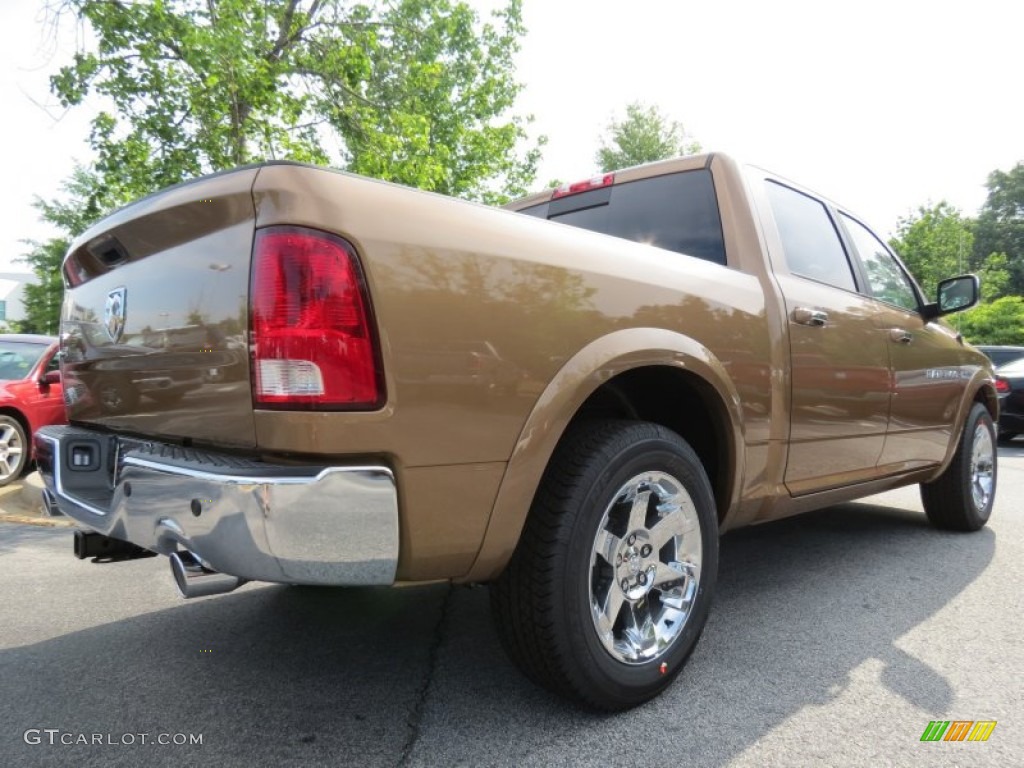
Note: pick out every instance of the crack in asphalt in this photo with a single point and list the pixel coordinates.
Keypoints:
(415, 718)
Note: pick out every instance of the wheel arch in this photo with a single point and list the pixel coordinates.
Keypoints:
(616, 375)
(981, 389)
(986, 395)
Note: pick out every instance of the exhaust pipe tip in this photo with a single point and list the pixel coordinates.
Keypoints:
(193, 579)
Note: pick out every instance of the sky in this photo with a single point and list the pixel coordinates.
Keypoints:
(881, 106)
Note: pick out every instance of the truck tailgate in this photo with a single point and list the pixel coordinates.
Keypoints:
(153, 327)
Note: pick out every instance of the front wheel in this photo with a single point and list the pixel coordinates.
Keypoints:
(961, 498)
(13, 449)
(610, 586)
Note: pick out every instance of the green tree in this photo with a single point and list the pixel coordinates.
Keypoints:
(1000, 227)
(998, 322)
(86, 198)
(643, 136)
(934, 243)
(418, 92)
(41, 300)
(413, 91)
(937, 242)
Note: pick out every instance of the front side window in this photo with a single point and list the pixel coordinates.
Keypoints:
(885, 278)
(810, 241)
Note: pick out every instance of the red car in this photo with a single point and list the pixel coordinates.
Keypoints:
(31, 396)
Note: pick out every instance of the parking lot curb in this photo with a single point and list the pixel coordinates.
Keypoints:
(21, 503)
(42, 522)
(31, 494)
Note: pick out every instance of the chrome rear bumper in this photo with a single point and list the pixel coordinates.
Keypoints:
(263, 522)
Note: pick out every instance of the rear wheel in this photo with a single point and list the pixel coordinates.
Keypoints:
(961, 498)
(610, 585)
(13, 449)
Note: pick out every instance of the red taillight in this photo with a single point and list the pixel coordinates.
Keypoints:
(1002, 386)
(312, 341)
(584, 186)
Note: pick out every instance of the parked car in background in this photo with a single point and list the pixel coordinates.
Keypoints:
(1002, 355)
(30, 397)
(1010, 387)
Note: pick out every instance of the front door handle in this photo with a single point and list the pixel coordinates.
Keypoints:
(901, 336)
(813, 317)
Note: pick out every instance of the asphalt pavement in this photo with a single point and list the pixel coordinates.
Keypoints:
(834, 640)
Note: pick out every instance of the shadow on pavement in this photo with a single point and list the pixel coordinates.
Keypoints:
(287, 676)
(16, 535)
(801, 603)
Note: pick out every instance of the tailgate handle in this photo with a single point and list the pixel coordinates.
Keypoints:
(812, 317)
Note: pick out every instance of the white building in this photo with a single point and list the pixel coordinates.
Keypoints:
(12, 288)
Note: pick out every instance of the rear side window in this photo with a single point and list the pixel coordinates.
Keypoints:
(678, 212)
(809, 238)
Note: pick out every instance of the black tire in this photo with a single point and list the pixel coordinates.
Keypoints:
(961, 498)
(14, 449)
(542, 602)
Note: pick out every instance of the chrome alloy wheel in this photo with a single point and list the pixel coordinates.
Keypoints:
(982, 467)
(645, 567)
(10, 451)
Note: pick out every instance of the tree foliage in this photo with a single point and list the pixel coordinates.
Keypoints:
(643, 136)
(413, 91)
(997, 322)
(937, 242)
(934, 243)
(42, 299)
(419, 92)
(1000, 227)
(86, 199)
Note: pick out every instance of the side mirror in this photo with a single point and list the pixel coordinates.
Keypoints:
(955, 294)
(50, 377)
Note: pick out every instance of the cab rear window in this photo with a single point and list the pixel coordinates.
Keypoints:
(677, 211)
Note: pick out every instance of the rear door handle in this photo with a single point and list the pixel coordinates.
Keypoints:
(901, 336)
(813, 317)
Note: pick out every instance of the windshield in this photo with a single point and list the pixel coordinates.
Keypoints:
(17, 358)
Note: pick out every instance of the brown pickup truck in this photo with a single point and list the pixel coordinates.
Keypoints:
(434, 389)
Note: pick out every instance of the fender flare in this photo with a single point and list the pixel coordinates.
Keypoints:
(981, 382)
(593, 365)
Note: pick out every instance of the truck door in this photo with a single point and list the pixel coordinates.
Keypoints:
(47, 402)
(839, 407)
(924, 357)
